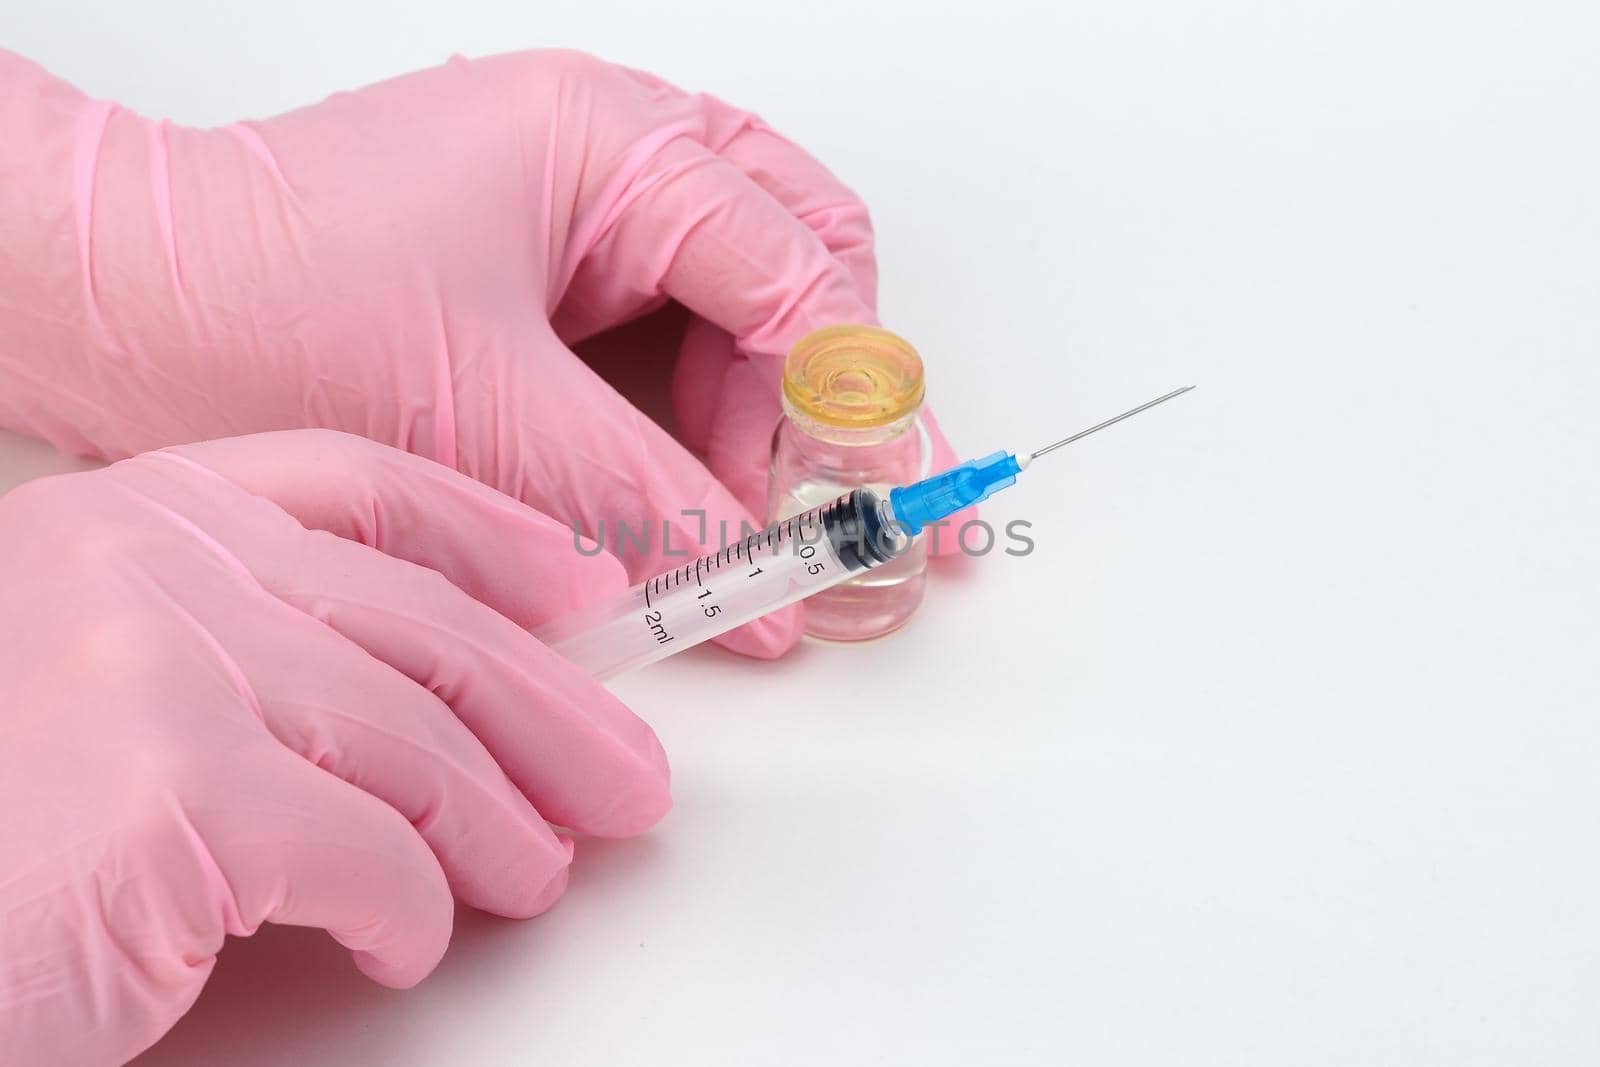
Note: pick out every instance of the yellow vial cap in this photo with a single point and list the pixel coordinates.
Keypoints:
(853, 376)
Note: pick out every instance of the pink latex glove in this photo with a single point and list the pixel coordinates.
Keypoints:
(233, 692)
(410, 262)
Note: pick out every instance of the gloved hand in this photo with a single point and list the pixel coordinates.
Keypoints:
(213, 715)
(410, 262)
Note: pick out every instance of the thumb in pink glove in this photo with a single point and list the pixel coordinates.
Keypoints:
(286, 679)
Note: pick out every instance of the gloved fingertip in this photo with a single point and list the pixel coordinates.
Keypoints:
(635, 817)
(557, 885)
(635, 809)
(769, 636)
(399, 973)
(528, 886)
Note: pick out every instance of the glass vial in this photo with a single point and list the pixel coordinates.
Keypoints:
(851, 398)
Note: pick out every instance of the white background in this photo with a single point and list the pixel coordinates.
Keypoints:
(1281, 749)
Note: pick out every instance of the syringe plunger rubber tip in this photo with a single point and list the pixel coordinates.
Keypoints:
(944, 494)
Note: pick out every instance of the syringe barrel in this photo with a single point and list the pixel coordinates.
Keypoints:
(788, 561)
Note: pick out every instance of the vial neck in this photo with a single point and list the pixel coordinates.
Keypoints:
(850, 436)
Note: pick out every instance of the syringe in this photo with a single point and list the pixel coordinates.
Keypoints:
(788, 561)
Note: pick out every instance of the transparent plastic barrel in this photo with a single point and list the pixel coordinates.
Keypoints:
(788, 561)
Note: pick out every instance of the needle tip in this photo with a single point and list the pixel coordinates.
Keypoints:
(1100, 426)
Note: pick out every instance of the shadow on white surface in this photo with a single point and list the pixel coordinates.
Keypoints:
(292, 995)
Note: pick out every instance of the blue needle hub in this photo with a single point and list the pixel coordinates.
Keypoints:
(944, 494)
